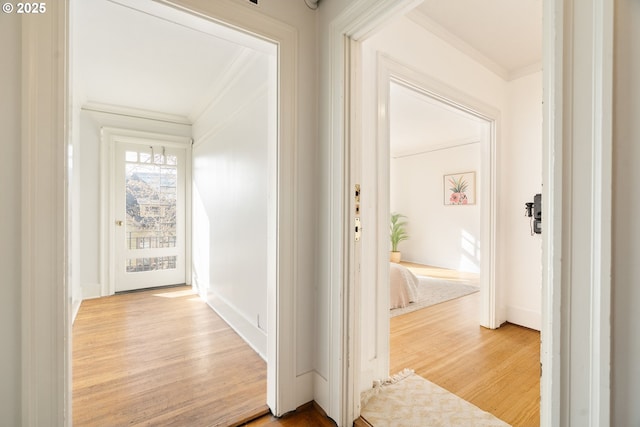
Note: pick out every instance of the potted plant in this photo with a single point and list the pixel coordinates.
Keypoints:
(398, 234)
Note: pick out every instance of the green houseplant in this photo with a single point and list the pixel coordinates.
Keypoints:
(398, 234)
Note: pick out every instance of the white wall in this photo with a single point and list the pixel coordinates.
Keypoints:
(407, 43)
(519, 148)
(88, 187)
(233, 191)
(439, 235)
(626, 272)
(303, 19)
(10, 195)
(626, 217)
(522, 178)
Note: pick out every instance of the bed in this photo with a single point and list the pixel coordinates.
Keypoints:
(404, 286)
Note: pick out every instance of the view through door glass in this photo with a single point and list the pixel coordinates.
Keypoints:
(150, 216)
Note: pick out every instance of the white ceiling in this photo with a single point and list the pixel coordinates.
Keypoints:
(139, 54)
(419, 123)
(144, 55)
(504, 35)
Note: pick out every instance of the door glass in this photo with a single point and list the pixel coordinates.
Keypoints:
(135, 265)
(150, 186)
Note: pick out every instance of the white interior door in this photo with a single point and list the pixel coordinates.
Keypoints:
(149, 225)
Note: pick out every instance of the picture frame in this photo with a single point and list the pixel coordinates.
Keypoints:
(459, 189)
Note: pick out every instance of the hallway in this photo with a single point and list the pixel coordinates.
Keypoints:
(162, 357)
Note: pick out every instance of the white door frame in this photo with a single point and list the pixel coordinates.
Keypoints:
(576, 197)
(391, 70)
(571, 336)
(46, 304)
(374, 292)
(109, 137)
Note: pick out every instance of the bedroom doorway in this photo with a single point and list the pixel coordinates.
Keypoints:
(429, 74)
(435, 183)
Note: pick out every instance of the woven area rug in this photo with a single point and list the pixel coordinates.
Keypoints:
(433, 291)
(408, 400)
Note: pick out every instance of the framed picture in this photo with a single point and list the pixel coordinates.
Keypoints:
(460, 189)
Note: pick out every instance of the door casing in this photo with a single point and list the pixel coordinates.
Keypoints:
(111, 136)
(47, 307)
(561, 403)
(375, 290)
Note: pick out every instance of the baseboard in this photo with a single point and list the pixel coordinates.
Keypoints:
(249, 332)
(304, 388)
(75, 307)
(91, 290)
(524, 317)
(321, 392)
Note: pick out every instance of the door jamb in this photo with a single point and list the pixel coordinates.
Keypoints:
(392, 70)
(366, 18)
(108, 137)
(354, 23)
(46, 297)
(560, 242)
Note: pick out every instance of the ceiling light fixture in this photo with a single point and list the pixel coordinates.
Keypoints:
(312, 4)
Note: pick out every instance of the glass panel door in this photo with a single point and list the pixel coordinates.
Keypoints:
(149, 226)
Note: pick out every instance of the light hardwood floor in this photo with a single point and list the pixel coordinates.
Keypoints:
(309, 415)
(131, 367)
(162, 358)
(496, 370)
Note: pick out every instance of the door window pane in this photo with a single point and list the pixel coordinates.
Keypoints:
(145, 157)
(136, 265)
(150, 205)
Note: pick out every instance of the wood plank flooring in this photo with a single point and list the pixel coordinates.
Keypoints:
(131, 368)
(496, 370)
(162, 358)
(309, 415)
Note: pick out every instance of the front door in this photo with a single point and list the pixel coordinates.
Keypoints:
(149, 226)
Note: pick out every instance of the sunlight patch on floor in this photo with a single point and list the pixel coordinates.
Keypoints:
(176, 294)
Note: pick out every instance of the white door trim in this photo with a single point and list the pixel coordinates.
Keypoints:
(46, 305)
(567, 397)
(577, 194)
(389, 70)
(376, 193)
(108, 138)
(550, 349)
(358, 20)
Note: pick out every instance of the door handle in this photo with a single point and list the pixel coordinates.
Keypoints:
(119, 223)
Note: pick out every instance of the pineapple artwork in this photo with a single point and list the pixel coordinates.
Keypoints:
(459, 189)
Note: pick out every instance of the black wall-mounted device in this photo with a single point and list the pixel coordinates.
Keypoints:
(534, 211)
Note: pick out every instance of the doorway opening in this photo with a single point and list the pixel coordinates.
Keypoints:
(435, 182)
(415, 52)
(176, 120)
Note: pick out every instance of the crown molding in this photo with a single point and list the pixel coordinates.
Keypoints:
(136, 112)
(439, 31)
(447, 36)
(215, 93)
(436, 147)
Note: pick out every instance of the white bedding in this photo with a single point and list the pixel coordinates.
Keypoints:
(404, 286)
